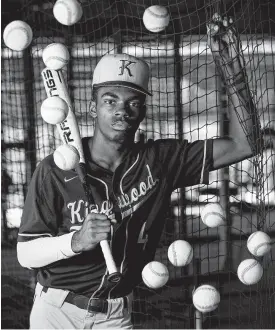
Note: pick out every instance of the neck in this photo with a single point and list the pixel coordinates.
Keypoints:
(108, 154)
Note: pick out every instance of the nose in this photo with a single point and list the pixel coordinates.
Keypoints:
(122, 110)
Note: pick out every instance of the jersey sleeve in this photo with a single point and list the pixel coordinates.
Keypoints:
(40, 217)
(185, 164)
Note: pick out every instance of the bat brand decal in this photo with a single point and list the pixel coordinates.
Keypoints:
(66, 132)
(50, 82)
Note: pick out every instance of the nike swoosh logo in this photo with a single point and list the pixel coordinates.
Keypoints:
(67, 180)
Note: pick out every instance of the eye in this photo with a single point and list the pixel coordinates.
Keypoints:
(109, 101)
(135, 104)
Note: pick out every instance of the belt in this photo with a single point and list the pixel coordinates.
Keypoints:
(90, 304)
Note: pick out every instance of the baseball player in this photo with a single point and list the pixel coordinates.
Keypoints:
(130, 183)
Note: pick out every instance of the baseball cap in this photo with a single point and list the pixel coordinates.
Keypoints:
(122, 70)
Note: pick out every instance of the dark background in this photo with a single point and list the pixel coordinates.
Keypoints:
(187, 103)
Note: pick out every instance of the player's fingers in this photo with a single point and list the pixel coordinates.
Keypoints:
(94, 216)
(212, 29)
(102, 229)
(102, 236)
(100, 223)
(216, 17)
(225, 21)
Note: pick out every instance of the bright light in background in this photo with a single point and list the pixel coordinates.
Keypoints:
(14, 217)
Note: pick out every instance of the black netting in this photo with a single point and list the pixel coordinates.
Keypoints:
(188, 101)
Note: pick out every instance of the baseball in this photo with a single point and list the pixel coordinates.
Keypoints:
(156, 18)
(180, 253)
(259, 243)
(17, 35)
(155, 274)
(66, 157)
(206, 298)
(54, 110)
(213, 215)
(55, 56)
(250, 271)
(67, 12)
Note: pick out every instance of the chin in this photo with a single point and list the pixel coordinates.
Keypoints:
(123, 137)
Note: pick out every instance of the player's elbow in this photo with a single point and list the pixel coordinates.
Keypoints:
(245, 150)
(23, 254)
(249, 148)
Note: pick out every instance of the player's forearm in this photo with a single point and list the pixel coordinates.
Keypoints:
(244, 122)
(41, 252)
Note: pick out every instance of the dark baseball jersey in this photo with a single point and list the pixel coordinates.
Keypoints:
(137, 194)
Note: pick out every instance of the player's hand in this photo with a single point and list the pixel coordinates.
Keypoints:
(96, 227)
(223, 39)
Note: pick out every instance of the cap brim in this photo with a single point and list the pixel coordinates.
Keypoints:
(123, 84)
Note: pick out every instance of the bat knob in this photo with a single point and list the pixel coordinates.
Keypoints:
(114, 277)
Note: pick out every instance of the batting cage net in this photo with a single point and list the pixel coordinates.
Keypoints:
(188, 102)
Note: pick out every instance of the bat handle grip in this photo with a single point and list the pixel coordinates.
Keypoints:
(114, 275)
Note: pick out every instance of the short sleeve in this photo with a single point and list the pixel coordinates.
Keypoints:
(185, 164)
(39, 218)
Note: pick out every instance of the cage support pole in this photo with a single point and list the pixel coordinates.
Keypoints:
(179, 115)
(197, 314)
(30, 124)
(224, 231)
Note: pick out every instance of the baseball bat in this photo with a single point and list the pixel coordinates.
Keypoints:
(69, 132)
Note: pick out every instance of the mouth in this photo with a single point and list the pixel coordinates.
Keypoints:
(121, 126)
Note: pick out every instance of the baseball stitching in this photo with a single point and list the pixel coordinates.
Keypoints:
(155, 272)
(209, 289)
(248, 268)
(56, 58)
(259, 246)
(157, 15)
(251, 236)
(68, 9)
(50, 46)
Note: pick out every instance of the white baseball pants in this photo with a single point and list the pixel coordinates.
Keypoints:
(50, 311)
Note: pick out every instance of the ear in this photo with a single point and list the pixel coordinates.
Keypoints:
(92, 109)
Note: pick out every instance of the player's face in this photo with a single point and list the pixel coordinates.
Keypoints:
(119, 112)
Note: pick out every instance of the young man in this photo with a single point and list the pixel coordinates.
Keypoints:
(130, 184)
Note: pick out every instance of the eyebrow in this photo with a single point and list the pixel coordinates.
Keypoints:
(116, 97)
(110, 94)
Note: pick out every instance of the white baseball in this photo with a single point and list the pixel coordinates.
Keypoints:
(17, 35)
(259, 243)
(55, 56)
(206, 298)
(250, 271)
(67, 12)
(180, 253)
(155, 274)
(66, 157)
(156, 18)
(54, 110)
(213, 215)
